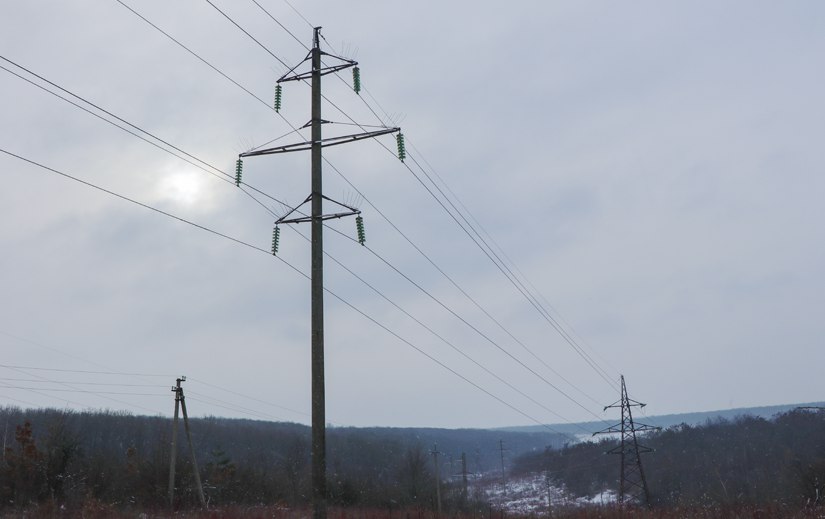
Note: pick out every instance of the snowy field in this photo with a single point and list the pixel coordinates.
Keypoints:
(530, 495)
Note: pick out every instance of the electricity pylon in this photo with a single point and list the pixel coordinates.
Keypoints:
(632, 482)
(316, 198)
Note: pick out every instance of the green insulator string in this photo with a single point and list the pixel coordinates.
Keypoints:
(276, 237)
(359, 225)
(402, 150)
(238, 172)
(278, 93)
(356, 80)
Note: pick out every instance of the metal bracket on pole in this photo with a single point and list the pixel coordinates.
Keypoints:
(307, 218)
(325, 143)
(322, 71)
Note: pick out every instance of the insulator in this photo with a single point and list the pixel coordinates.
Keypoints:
(278, 90)
(238, 172)
(359, 224)
(402, 150)
(356, 80)
(276, 237)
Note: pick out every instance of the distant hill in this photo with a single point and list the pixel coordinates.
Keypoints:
(734, 457)
(668, 420)
(109, 453)
(123, 459)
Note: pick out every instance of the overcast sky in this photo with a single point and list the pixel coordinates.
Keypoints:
(652, 172)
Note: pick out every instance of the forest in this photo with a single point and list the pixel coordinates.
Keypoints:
(123, 460)
(66, 460)
(743, 461)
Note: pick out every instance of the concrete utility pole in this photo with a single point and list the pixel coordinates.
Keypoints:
(317, 217)
(319, 438)
(177, 390)
(180, 403)
(195, 470)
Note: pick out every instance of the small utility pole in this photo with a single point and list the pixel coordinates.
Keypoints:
(316, 197)
(435, 454)
(632, 482)
(180, 402)
(195, 470)
(503, 474)
(547, 480)
(464, 477)
(177, 390)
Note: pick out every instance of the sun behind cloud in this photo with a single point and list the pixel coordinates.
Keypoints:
(187, 188)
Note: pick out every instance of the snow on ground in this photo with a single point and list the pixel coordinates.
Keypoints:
(602, 498)
(529, 495)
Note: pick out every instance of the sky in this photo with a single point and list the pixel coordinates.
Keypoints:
(650, 174)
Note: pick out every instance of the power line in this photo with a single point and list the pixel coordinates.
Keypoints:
(299, 13)
(451, 370)
(178, 42)
(529, 296)
(485, 337)
(501, 250)
(436, 334)
(247, 396)
(114, 384)
(448, 343)
(498, 262)
(264, 47)
(63, 370)
(449, 213)
(565, 335)
(192, 53)
(81, 383)
(295, 269)
(295, 129)
(39, 345)
(138, 128)
(41, 87)
(53, 396)
(62, 390)
(454, 347)
(452, 281)
(100, 394)
(216, 69)
(282, 25)
(233, 407)
(203, 162)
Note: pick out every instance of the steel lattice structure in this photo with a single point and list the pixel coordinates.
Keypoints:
(632, 483)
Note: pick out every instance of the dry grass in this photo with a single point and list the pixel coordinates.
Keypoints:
(97, 510)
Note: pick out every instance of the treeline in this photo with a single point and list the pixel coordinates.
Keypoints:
(744, 461)
(68, 458)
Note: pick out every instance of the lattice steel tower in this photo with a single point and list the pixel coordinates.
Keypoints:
(632, 482)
